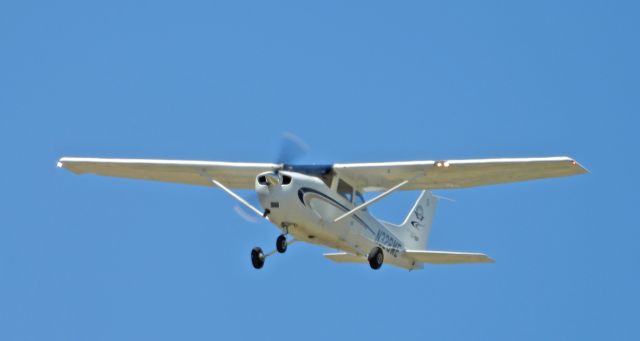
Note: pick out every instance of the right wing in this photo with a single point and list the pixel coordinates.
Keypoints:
(445, 257)
(449, 174)
(231, 174)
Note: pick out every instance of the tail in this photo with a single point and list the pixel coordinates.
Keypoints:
(414, 231)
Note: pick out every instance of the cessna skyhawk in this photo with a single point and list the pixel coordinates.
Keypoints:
(325, 205)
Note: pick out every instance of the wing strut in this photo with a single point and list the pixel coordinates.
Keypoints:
(366, 204)
(240, 199)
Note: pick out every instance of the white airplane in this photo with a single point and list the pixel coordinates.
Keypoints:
(324, 204)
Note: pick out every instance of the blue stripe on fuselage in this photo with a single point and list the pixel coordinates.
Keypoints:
(331, 200)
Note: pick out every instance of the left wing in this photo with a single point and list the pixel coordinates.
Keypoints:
(231, 174)
(446, 174)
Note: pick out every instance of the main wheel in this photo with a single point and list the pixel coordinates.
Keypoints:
(257, 257)
(376, 258)
(281, 243)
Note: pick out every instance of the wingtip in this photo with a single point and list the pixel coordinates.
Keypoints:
(583, 169)
(64, 163)
(578, 165)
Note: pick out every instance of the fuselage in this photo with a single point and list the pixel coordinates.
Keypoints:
(305, 207)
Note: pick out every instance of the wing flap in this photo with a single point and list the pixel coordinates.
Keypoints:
(445, 257)
(448, 174)
(231, 174)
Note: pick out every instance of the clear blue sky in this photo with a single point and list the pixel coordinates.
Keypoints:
(89, 258)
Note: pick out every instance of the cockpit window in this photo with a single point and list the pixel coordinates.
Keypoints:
(345, 190)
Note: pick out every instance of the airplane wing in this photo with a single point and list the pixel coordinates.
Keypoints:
(448, 174)
(444, 257)
(231, 174)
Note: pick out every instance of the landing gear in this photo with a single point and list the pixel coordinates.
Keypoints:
(257, 258)
(281, 243)
(376, 258)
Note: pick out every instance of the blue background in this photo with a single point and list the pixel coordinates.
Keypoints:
(89, 258)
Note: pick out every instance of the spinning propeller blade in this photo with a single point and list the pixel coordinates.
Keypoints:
(292, 148)
(244, 212)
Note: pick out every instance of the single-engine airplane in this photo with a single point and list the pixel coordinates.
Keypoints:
(323, 204)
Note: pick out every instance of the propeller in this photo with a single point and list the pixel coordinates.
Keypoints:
(292, 148)
(244, 212)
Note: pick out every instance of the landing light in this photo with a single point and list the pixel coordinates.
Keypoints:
(442, 163)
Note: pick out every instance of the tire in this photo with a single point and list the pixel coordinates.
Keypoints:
(376, 258)
(281, 244)
(257, 258)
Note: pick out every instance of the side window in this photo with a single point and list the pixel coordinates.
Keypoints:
(345, 190)
(359, 200)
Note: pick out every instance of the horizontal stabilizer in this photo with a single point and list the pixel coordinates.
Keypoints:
(343, 257)
(444, 257)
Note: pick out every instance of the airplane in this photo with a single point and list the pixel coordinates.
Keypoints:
(324, 204)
